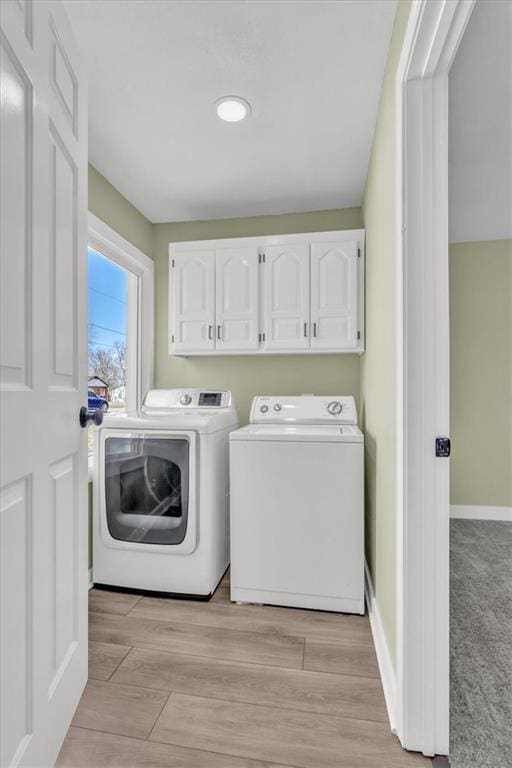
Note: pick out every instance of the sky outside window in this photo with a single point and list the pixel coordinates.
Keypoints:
(107, 301)
(107, 292)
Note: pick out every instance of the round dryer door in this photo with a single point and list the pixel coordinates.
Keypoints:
(147, 488)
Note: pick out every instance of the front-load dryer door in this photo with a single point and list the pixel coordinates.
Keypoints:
(149, 489)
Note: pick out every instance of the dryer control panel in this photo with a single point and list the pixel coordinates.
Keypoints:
(304, 409)
(165, 399)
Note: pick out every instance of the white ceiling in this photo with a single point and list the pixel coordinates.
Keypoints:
(480, 151)
(311, 70)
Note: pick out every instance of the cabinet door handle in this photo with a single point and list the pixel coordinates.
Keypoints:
(210, 329)
(305, 330)
(314, 330)
(218, 332)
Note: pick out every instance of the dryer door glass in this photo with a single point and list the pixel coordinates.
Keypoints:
(146, 488)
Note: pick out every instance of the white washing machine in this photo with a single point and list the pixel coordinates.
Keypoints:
(161, 493)
(297, 521)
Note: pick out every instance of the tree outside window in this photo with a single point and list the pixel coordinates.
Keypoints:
(107, 293)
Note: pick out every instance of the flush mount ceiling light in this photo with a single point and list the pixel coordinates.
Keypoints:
(232, 109)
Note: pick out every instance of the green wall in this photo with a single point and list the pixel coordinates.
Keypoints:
(110, 206)
(378, 364)
(248, 376)
(481, 373)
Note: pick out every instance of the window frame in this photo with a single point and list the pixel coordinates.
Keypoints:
(139, 307)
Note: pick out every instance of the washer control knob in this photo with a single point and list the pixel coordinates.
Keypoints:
(335, 407)
(263, 408)
(277, 407)
(185, 399)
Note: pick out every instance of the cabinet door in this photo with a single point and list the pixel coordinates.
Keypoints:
(194, 301)
(334, 295)
(236, 299)
(287, 297)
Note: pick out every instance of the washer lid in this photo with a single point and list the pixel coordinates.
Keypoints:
(299, 433)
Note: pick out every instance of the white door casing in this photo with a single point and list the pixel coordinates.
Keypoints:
(286, 297)
(236, 298)
(194, 300)
(434, 32)
(43, 377)
(334, 294)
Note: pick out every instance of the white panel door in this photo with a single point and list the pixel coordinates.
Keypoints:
(287, 297)
(43, 379)
(334, 295)
(193, 274)
(237, 294)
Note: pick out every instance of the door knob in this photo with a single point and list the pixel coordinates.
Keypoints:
(85, 417)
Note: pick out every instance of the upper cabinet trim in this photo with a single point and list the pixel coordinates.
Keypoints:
(267, 240)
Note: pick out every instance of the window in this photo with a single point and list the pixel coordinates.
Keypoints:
(121, 300)
(108, 296)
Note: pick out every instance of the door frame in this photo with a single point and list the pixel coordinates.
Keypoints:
(434, 31)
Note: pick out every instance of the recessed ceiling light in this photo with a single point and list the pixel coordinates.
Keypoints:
(232, 109)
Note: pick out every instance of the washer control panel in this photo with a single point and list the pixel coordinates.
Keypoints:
(304, 409)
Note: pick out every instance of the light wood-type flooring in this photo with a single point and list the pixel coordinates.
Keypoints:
(183, 684)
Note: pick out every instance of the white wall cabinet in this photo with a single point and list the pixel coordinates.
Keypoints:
(194, 302)
(236, 299)
(334, 295)
(287, 294)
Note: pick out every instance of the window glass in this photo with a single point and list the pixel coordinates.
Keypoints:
(107, 295)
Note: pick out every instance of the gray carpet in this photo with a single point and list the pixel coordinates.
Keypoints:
(480, 644)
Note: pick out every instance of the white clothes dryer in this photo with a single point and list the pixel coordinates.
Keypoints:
(161, 494)
(297, 516)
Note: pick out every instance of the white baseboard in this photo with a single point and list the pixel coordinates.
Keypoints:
(386, 669)
(460, 511)
(91, 582)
